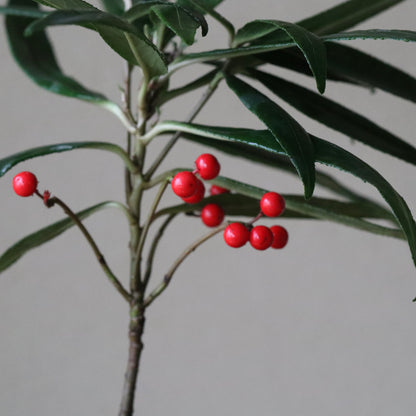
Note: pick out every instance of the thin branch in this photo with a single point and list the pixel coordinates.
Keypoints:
(168, 276)
(101, 260)
(153, 247)
(198, 107)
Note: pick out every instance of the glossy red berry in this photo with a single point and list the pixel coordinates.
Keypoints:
(207, 166)
(218, 190)
(198, 195)
(272, 204)
(236, 234)
(25, 183)
(261, 237)
(212, 215)
(184, 184)
(280, 236)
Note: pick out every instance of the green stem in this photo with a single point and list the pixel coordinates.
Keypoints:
(168, 276)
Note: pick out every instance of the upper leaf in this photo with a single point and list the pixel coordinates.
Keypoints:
(36, 57)
(114, 6)
(311, 46)
(337, 116)
(135, 48)
(345, 15)
(287, 131)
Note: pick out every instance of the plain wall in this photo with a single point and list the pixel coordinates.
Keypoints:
(325, 326)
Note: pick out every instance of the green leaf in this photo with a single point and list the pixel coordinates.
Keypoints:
(9, 162)
(311, 46)
(404, 35)
(208, 4)
(36, 58)
(350, 65)
(287, 131)
(181, 21)
(337, 117)
(345, 15)
(44, 235)
(114, 6)
(135, 48)
(23, 11)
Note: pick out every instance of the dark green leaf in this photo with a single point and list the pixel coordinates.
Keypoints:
(345, 15)
(208, 4)
(114, 6)
(287, 131)
(135, 48)
(8, 162)
(44, 235)
(350, 65)
(311, 46)
(36, 57)
(181, 21)
(337, 117)
(142, 9)
(404, 35)
(22, 11)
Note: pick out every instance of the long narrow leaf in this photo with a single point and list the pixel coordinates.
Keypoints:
(337, 117)
(311, 46)
(23, 11)
(404, 35)
(345, 15)
(135, 48)
(286, 130)
(9, 162)
(36, 58)
(44, 235)
(114, 6)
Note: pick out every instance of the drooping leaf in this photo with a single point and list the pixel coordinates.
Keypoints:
(114, 6)
(350, 65)
(135, 48)
(36, 58)
(286, 130)
(345, 15)
(15, 252)
(337, 117)
(208, 4)
(9, 162)
(311, 46)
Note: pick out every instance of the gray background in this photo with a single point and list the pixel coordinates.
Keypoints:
(324, 327)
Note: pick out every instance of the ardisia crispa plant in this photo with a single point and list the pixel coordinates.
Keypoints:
(151, 37)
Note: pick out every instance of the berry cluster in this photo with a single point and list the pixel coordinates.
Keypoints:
(261, 237)
(192, 190)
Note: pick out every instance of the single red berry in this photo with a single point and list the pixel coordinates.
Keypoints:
(272, 204)
(218, 190)
(261, 237)
(280, 236)
(212, 215)
(236, 234)
(198, 195)
(25, 183)
(207, 166)
(184, 184)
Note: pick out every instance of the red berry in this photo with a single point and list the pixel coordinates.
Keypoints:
(236, 234)
(212, 215)
(25, 183)
(198, 195)
(261, 237)
(184, 184)
(207, 166)
(217, 190)
(272, 204)
(280, 236)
